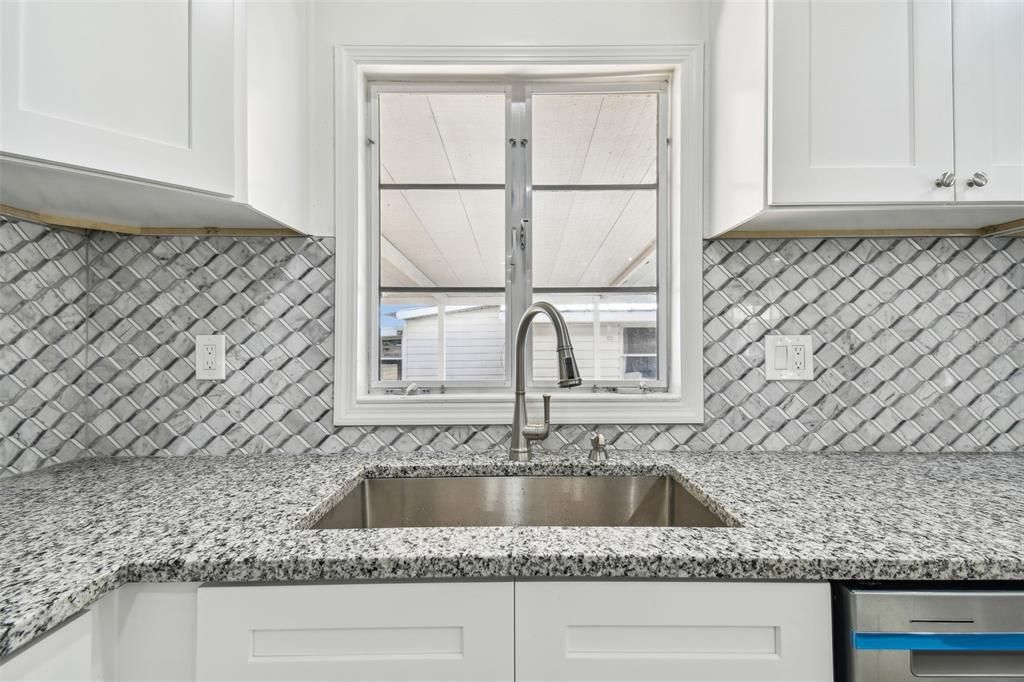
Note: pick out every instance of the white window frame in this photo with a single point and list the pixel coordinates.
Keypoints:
(518, 289)
(356, 329)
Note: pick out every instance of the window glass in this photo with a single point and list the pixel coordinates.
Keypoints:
(595, 139)
(639, 340)
(640, 353)
(442, 138)
(595, 238)
(474, 332)
(471, 326)
(444, 232)
(595, 230)
(604, 331)
(441, 236)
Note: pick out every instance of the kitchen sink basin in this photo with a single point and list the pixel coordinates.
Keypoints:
(518, 501)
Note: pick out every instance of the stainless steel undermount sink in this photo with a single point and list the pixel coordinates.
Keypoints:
(519, 501)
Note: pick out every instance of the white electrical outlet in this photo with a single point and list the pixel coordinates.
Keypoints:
(799, 358)
(210, 362)
(788, 358)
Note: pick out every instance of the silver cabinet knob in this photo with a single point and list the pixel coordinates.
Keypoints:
(979, 179)
(947, 179)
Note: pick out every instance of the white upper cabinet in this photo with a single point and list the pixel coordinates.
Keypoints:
(865, 117)
(154, 116)
(989, 80)
(143, 89)
(861, 101)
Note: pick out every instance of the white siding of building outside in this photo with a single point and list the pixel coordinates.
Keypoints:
(475, 345)
(419, 349)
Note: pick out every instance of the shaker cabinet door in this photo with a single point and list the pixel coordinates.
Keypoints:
(142, 89)
(659, 630)
(989, 85)
(396, 631)
(861, 106)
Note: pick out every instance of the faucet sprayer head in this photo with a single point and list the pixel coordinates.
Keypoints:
(568, 372)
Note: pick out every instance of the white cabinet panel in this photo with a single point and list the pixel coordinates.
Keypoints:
(421, 631)
(989, 83)
(673, 631)
(140, 88)
(861, 101)
(64, 654)
(147, 632)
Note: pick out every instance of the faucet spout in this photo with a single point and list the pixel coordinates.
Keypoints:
(568, 376)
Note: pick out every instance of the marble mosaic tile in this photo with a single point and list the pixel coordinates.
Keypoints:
(919, 347)
(44, 282)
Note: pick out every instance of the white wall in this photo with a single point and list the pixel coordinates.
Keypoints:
(579, 22)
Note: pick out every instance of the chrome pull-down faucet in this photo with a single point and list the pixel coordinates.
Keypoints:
(568, 376)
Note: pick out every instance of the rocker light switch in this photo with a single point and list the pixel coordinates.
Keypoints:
(788, 358)
(781, 356)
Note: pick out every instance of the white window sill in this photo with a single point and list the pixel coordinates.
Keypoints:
(567, 407)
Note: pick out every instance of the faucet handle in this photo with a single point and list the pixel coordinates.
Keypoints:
(539, 431)
(597, 448)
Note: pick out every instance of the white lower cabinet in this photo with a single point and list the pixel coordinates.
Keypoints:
(628, 630)
(146, 632)
(707, 631)
(398, 631)
(63, 654)
(138, 633)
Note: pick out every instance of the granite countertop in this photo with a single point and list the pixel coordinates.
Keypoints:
(70, 533)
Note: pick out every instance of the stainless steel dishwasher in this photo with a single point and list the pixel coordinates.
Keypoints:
(950, 635)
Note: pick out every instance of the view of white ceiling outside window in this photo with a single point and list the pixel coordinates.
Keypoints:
(444, 233)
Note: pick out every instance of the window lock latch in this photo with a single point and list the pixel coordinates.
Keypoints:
(518, 241)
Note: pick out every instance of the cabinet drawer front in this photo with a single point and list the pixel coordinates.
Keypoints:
(673, 631)
(421, 631)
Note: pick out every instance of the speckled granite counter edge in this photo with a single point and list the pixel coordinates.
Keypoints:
(269, 559)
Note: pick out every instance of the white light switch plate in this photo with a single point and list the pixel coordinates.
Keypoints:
(788, 358)
(210, 356)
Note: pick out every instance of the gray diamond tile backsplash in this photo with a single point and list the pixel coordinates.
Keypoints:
(919, 347)
(44, 284)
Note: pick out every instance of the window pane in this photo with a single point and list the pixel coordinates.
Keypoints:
(474, 332)
(595, 238)
(602, 355)
(640, 340)
(409, 341)
(474, 337)
(442, 138)
(641, 367)
(595, 139)
(442, 238)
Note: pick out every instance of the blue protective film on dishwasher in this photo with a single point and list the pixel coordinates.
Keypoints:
(938, 641)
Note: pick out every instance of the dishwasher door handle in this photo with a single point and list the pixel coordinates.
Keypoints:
(938, 641)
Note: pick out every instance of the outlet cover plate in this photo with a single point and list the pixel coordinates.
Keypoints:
(788, 358)
(210, 363)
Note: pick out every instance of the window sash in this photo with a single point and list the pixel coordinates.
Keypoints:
(518, 290)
